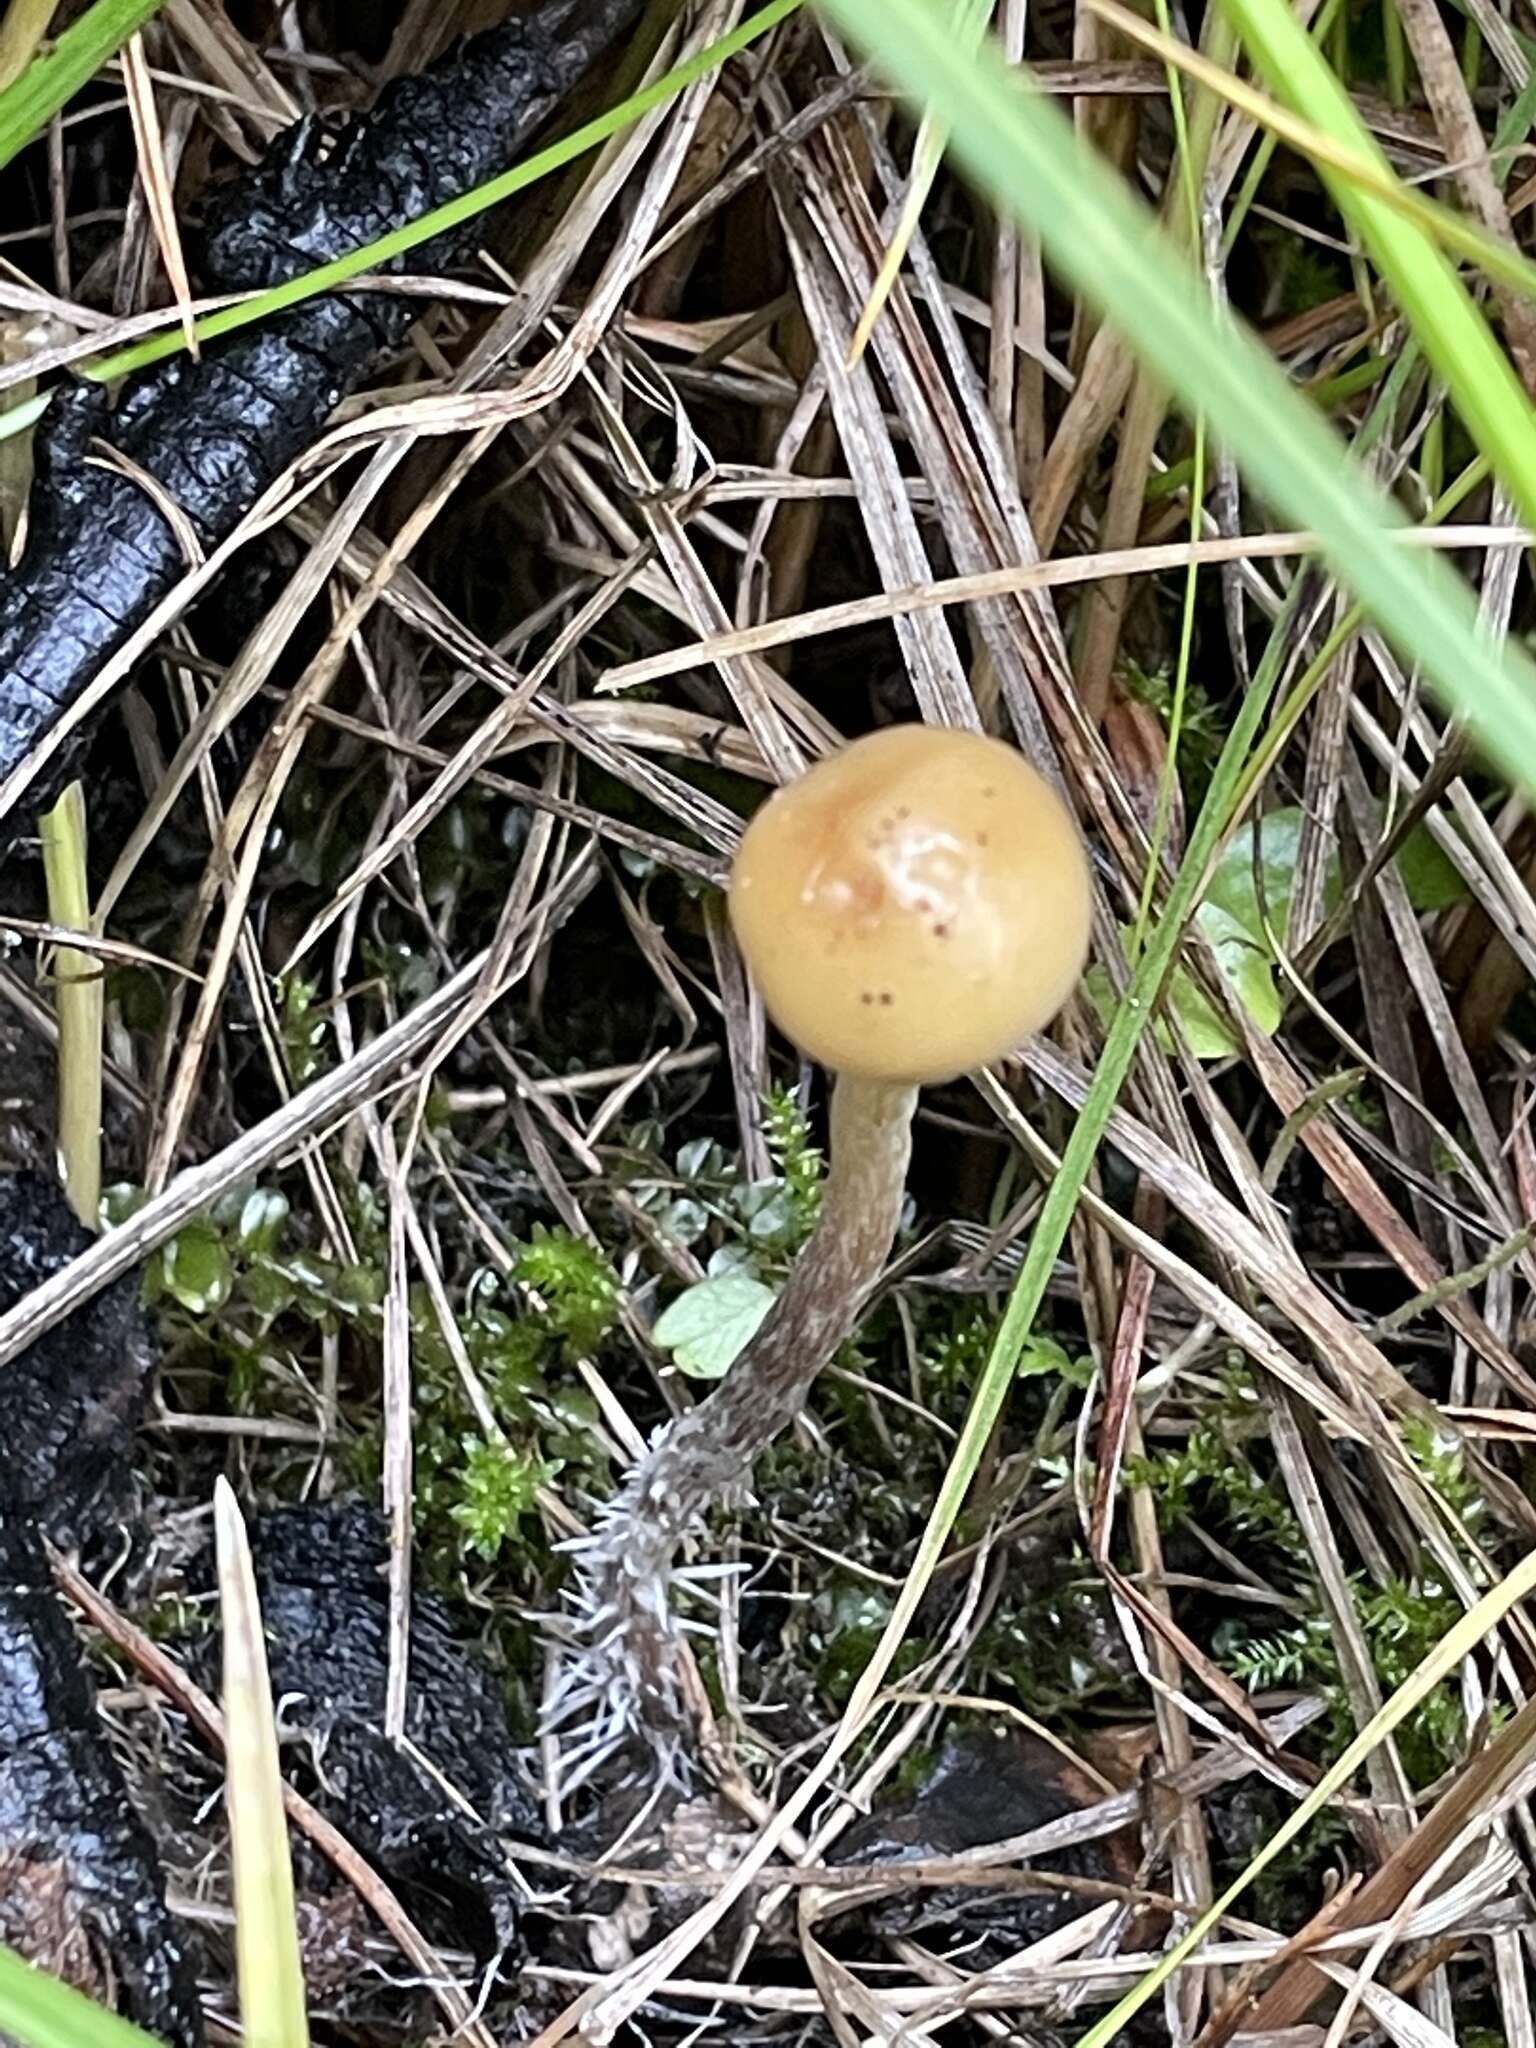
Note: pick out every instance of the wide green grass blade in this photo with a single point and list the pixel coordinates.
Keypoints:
(52, 80)
(1449, 325)
(40, 2012)
(1098, 235)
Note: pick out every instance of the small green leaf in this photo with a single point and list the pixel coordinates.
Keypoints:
(767, 1207)
(700, 1157)
(1427, 872)
(1237, 916)
(685, 1221)
(1207, 1035)
(708, 1325)
(120, 1201)
(1043, 1355)
(1247, 963)
(1232, 892)
(1236, 921)
(262, 1216)
(1199, 1020)
(268, 1289)
(197, 1270)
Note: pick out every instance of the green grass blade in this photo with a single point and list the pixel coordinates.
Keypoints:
(970, 18)
(1348, 160)
(1098, 235)
(52, 80)
(40, 2012)
(273, 2009)
(1450, 327)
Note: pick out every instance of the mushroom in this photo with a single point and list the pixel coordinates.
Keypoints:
(910, 909)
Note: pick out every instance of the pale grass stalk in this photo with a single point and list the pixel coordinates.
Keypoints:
(273, 2008)
(22, 29)
(149, 140)
(79, 1005)
(927, 160)
(1068, 571)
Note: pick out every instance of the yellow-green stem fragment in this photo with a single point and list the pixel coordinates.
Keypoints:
(78, 1005)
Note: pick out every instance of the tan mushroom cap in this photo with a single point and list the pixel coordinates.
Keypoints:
(914, 906)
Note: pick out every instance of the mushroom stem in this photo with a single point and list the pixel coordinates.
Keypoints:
(704, 1456)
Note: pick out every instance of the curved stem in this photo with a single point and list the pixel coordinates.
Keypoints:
(706, 1455)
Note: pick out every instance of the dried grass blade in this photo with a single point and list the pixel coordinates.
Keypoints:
(1485, 1786)
(158, 196)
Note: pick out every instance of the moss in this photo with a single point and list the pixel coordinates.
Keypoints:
(800, 1161)
(497, 1486)
(245, 1304)
(576, 1287)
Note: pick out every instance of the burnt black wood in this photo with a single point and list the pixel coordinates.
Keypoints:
(79, 1873)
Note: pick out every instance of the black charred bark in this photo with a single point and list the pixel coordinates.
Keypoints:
(320, 1574)
(80, 1887)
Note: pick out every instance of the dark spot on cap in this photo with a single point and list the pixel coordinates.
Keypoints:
(886, 999)
(941, 931)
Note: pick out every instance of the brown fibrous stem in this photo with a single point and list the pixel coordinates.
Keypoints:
(628, 1675)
